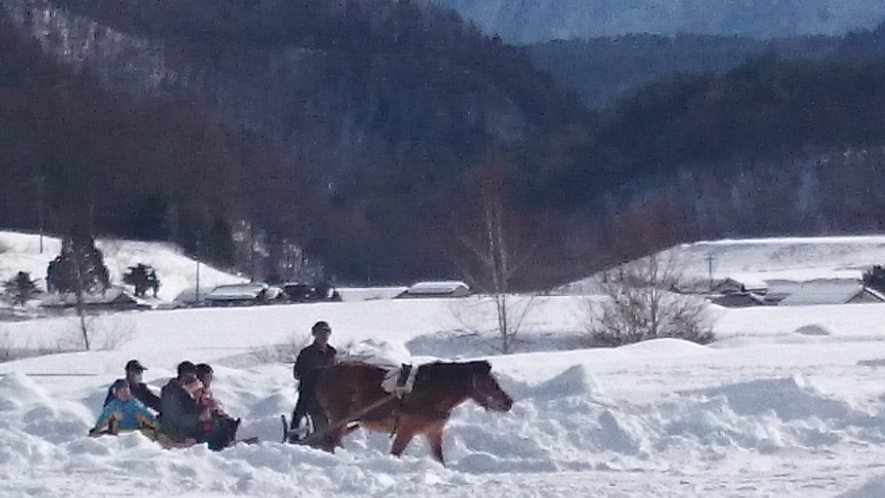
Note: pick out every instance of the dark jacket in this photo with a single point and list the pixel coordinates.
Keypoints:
(180, 413)
(309, 361)
(139, 391)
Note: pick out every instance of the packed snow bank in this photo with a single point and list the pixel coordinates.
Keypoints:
(562, 421)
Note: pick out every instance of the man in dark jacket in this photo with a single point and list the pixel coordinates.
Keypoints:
(310, 360)
(182, 414)
(139, 389)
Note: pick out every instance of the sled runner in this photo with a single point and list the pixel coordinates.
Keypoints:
(303, 429)
(306, 434)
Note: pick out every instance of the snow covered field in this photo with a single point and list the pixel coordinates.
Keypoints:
(787, 403)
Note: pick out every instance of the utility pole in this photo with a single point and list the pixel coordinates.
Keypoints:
(251, 253)
(197, 296)
(40, 179)
(710, 259)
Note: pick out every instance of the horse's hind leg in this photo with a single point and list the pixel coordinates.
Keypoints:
(434, 437)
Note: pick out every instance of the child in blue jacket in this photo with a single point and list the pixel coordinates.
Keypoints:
(124, 414)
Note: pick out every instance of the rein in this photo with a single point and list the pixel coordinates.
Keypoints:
(318, 436)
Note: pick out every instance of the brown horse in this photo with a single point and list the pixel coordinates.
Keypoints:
(347, 389)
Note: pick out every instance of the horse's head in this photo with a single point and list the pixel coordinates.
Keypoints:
(486, 390)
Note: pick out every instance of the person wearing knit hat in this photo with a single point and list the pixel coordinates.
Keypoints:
(124, 413)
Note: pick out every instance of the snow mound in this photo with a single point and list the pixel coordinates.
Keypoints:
(575, 381)
(786, 398)
(665, 347)
(813, 330)
(874, 488)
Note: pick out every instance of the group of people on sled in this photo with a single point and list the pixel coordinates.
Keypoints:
(186, 412)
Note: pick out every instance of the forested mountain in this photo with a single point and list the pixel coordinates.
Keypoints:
(73, 154)
(772, 147)
(397, 95)
(603, 70)
(534, 21)
(381, 137)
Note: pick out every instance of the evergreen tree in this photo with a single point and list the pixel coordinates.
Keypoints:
(142, 277)
(79, 268)
(21, 288)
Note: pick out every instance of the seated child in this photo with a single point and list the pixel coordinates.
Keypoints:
(124, 414)
(221, 429)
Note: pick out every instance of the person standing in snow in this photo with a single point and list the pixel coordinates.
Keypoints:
(310, 360)
(124, 413)
(139, 389)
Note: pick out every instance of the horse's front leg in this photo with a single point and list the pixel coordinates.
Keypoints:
(332, 439)
(405, 431)
(434, 434)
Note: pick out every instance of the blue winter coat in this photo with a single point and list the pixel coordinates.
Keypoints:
(129, 415)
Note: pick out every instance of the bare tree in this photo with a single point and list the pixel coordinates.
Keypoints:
(498, 248)
(475, 315)
(104, 332)
(642, 302)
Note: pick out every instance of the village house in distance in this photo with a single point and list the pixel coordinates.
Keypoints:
(444, 288)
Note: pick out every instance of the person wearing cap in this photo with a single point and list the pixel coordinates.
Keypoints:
(310, 360)
(124, 413)
(139, 389)
(182, 413)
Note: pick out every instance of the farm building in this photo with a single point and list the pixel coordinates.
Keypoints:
(447, 288)
(825, 291)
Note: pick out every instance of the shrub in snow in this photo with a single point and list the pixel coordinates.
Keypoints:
(639, 305)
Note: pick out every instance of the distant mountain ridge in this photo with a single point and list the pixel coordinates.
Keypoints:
(603, 70)
(370, 132)
(532, 21)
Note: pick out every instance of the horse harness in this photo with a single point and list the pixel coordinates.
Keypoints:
(400, 382)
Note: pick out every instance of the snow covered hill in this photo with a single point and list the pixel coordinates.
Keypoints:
(177, 272)
(791, 258)
(795, 259)
(530, 21)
